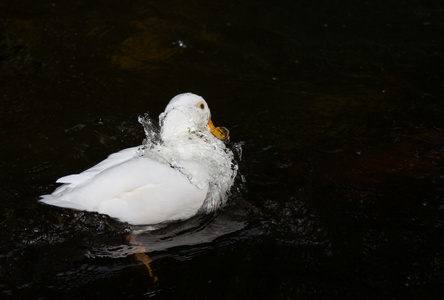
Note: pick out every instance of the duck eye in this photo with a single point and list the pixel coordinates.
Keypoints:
(202, 106)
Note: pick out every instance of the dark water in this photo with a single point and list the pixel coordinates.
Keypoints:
(340, 109)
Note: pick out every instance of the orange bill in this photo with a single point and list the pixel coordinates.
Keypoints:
(221, 133)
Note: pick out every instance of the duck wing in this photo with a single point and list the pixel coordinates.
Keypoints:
(112, 160)
(138, 190)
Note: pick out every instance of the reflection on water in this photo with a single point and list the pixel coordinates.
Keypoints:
(340, 191)
(198, 230)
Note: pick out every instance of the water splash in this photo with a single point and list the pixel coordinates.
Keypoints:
(151, 130)
(203, 159)
(237, 148)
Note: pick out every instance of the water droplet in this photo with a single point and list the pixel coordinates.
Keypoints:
(180, 44)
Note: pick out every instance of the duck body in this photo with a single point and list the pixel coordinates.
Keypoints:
(189, 170)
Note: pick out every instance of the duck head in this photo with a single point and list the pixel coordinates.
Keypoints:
(188, 113)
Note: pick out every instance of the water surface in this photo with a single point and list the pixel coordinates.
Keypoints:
(339, 108)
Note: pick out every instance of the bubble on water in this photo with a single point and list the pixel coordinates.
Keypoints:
(179, 43)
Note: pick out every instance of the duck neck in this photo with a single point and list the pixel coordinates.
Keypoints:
(176, 125)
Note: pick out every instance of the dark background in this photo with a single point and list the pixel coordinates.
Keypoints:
(339, 108)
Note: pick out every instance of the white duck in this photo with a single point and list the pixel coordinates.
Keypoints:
(189, 170)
